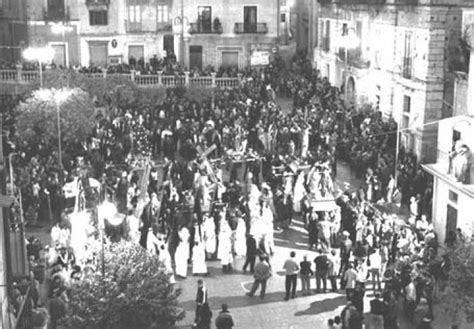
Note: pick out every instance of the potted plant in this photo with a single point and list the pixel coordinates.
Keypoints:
(40, 318)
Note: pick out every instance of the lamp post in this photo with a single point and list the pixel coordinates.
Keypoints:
(41, 55)
(350, 41)
(59, 96)
(180, 20)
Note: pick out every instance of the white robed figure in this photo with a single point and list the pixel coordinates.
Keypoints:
(240, 246)
(165, 259)
(152, 242)
(305, 141)
(267, 221)
(199, 256)
(224, 251)
(202, 185)
(181, 255)
(298, 193)
(209, 235)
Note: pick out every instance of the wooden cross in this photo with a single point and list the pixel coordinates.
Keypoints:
(203, 156)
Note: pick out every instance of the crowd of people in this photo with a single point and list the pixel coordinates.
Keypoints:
(235, 167)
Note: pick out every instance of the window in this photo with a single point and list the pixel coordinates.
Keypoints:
(205, 19)
(162, 14)
(250, 19)
(326, 41)
(98, 17)
(282, 18)
(406, 104)
(345, 30)
(134, 14)
(406, 112)
(407, 55)
(453, 196)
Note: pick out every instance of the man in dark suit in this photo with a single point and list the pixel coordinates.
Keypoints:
(251, 253)
(201, 297)
(149, 217)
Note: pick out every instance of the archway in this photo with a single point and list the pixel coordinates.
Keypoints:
(350, 92)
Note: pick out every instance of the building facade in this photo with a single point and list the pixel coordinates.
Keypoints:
(225, 33)
(13, 30)
(102, 32)
(399, 61)
(453, 195)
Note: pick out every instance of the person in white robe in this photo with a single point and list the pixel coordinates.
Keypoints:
(133, 227)
(240, 246)
(181, 255)
(199, 258)
(152, 243)
(165, 259)
(305, 141)
(224, 251)
(267, 221)
(209, 236)
(299, 193)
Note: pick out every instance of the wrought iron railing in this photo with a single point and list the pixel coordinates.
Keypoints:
(241, 28)
(201, 27)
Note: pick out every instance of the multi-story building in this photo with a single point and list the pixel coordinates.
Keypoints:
(453, 172)
(102, 32)
(225, 33)
(12, 30)
(394, 54)
(306, 26)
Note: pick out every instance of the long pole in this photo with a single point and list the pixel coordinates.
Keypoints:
(41, 74)
(182, 34)
(397, 151)
(346, 73)
(60, 156)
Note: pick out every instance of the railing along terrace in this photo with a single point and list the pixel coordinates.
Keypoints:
(144, 80)
(240, 28)
(9, 75)
(201, 81)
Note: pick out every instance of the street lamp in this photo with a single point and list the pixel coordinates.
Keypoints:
(180, 20)
(42, 55)
(59, 96)
(350, 41)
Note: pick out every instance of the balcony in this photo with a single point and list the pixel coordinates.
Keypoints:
(244, 28)
(140, 27)
(57, 15)
(133, 27)
(98, 4)
(407, 68)
(205, 28)
(354, 58)
(164, 27)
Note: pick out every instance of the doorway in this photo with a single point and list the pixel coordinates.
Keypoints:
(168, 45)
(98, 54)
(195, 57)
(230, 59)
(59, 55)
(451, 220)
(250, 19)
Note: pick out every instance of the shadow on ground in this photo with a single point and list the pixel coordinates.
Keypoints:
(322, 306)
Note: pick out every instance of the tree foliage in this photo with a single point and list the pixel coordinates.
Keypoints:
(36, 117)
(135, 292)
(458, 296)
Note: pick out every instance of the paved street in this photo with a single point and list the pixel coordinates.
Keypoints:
(272, 312)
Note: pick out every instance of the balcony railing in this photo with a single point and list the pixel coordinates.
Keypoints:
(133, 26)
(97, 2)
(56, 15)
(354, 58)
(11, 77)
(241, 28)
(204, 28)
(407, 68)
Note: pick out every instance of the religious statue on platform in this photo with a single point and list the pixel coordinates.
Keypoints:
(460, 162)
